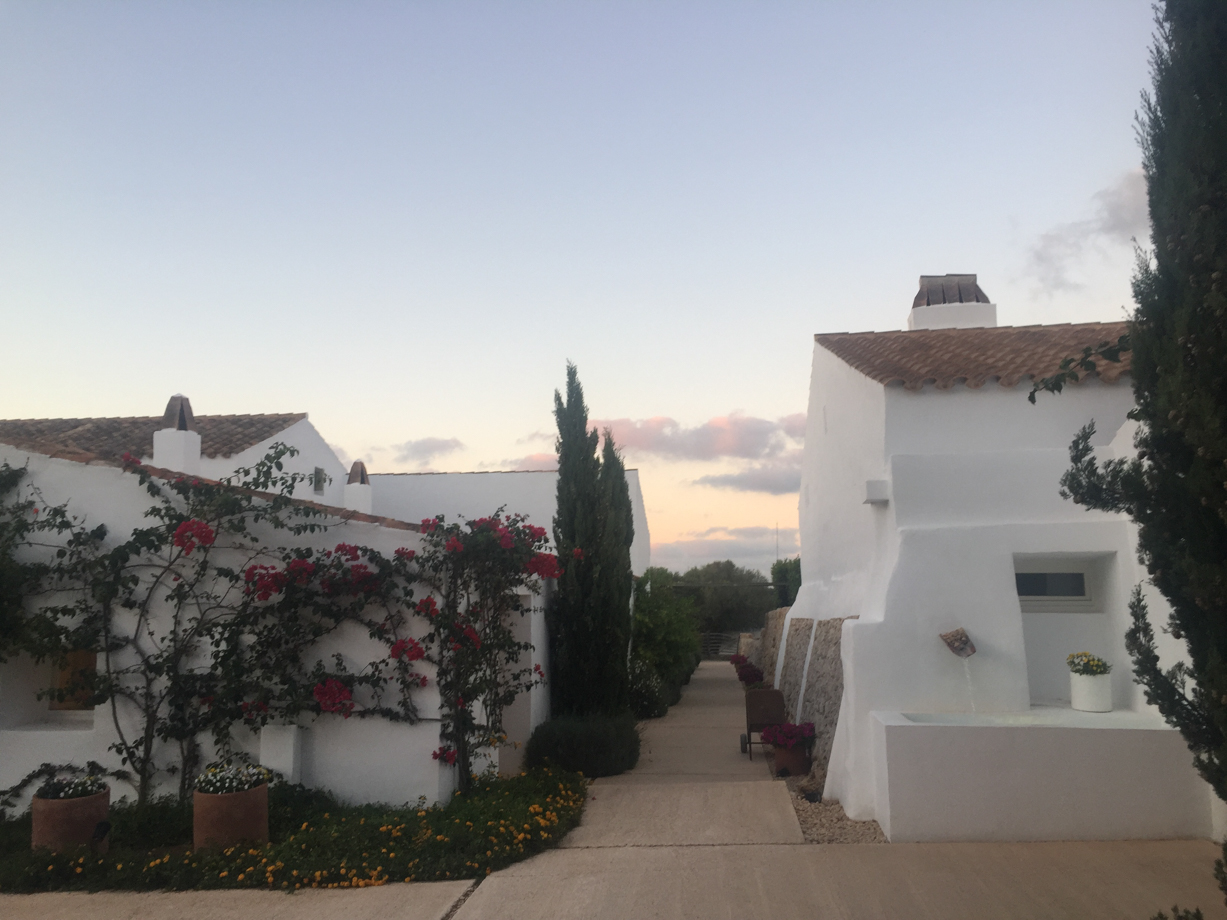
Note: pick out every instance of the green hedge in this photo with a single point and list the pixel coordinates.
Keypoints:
(316, 841)
(591, 745)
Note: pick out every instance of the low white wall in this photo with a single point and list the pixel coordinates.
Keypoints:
(989, 782)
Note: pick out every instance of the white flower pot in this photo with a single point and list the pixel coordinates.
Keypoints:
(1091, 692)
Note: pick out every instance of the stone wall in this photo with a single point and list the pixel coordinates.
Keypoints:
(749, 644)
(769, 646)
(824, 689)
(795, 646)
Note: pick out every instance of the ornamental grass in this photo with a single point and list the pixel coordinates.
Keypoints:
(316, 842)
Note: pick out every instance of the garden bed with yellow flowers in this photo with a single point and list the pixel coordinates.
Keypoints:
(315, 841)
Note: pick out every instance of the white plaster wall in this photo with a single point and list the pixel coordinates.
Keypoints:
(973, 481)
(313, 451)
(414, 496)
(360, 760)
(980, 782)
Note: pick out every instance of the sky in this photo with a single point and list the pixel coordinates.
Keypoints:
(406, 218)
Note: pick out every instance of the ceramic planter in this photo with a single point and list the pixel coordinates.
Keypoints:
(795, 760)
(65, 824)
(1091, 692)
(230, 818)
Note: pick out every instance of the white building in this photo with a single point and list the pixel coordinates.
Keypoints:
(929, 483)
(77, 461)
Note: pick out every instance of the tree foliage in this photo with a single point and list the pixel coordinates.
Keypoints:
(728, 597)
(786, 576)
(589, 617)
(666, 627)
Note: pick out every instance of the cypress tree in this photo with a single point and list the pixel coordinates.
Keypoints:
(1176, 488)
(589, 616)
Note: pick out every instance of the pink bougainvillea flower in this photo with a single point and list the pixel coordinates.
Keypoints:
(453, 545)
(264, 581)
(409, 649)
(402, 553)
(429, 525)
(347, 550)
(427, 607)
(545, 565)
(191, 534)
(334, 696)
(471, 634)
(577, 553)
(299, 571)
(446, 754)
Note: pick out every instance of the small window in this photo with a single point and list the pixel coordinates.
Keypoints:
(317, 480)
(1057, 592)
(1051, 584)
(75, 679)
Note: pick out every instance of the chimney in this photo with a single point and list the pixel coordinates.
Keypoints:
(358, 489)
(951, 302)
(176, 446)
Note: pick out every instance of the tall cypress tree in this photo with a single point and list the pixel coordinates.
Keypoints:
(589, 616)
(1176, 488)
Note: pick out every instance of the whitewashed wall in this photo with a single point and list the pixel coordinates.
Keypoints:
(973, 485)
(359, 760)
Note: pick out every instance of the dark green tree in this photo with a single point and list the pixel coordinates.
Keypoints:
(1176, 487)
(728, 596)
(589, 616)
(786, 576)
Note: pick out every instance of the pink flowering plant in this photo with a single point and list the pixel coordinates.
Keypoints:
(199, 625)
(788, 735)
(477, 571)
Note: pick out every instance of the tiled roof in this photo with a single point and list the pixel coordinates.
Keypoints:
(110, 438)
(945, 357)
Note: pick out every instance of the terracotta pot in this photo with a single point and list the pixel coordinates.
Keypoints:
(64, 824)
(230, 818)
(794, 760)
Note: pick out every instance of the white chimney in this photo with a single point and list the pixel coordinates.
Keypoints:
(176, 446)
(951, 302)
(358, 489)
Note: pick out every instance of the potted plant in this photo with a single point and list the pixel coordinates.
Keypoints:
(749, 674)
(230, 806)
(70, 813)
(792, 745)
(738, 660)
(1090, 687)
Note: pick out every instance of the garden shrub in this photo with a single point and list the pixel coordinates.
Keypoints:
(316, 842)
(650, 698)
(666, 632)
(591, 745)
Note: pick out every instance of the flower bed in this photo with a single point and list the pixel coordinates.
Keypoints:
(316, 842)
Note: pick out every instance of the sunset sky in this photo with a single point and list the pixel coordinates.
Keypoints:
(405, 218)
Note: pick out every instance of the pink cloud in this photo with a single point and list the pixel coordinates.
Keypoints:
(733, 435)
(532, 462)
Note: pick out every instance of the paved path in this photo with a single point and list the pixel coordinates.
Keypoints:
(698, 831)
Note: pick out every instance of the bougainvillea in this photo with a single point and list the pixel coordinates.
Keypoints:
(477, 570)
(191, 534)
(334, 696)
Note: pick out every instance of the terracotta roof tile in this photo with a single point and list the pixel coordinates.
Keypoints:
(945, 357)
(110, 438)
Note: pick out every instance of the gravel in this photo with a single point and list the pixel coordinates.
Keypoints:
(825, 821)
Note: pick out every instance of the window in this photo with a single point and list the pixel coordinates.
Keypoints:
(1051, 584)
(75, 678)
(1058, 585)
(317, 480)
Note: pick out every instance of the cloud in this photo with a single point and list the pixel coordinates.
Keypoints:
(531, 463)
(735, 435)
(343, 455)
(752, 547)
(423, 450)
(1120, 215)
(777, 476)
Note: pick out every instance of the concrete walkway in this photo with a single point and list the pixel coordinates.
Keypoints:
(698, 831)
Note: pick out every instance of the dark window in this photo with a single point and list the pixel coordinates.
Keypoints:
(1050, 584)
(318, 480)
